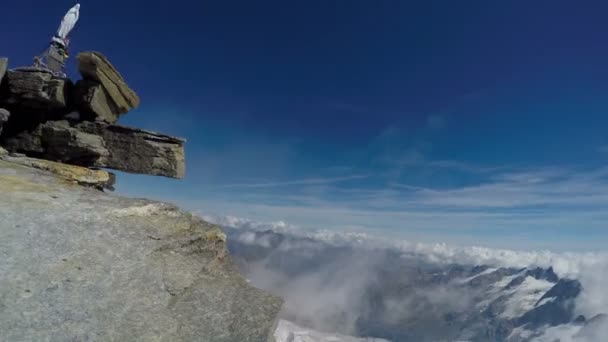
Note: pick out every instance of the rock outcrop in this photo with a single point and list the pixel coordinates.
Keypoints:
(80, 265)
(36, 89)
(52, 119)
(105, 86)
(103, 145)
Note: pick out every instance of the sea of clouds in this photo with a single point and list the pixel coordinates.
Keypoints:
(329, 292)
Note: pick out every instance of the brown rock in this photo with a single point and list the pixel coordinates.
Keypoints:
(95, 67)
(36, 89)
(94, 103)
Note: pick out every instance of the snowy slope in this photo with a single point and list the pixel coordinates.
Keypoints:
(525, 296)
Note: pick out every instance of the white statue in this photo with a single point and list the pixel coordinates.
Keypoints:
(67, 24)
(54, 57)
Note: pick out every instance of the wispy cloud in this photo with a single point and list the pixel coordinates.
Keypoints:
(523, 208)
(397, 153)
(397, 186)
(307, 181)
(567, 189)
(447, 164)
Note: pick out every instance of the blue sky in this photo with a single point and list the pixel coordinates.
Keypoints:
(470, 122)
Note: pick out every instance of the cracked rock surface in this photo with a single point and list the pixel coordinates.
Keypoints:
(80, 265)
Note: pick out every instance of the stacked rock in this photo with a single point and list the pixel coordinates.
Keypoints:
(48, 117)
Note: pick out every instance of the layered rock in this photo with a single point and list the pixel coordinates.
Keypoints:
(79, 265)
(33, 96)
(36, 89)
(105, 93)
(40, 103)
(103, 145)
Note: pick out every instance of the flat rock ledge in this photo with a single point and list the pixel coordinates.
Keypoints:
(77, 264)
(100, 144)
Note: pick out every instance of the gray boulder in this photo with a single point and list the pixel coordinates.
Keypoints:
(102, 145)
(79, 265)
(36, 89)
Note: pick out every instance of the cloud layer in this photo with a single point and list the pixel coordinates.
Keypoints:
(330, 288)
(551, 208)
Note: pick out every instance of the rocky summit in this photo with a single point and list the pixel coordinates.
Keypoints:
(78, 264)
(52, 118)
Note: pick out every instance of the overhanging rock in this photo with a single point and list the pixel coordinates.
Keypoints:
(139, 151)
(102, 145)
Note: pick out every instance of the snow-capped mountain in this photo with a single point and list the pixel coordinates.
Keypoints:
(336, 287)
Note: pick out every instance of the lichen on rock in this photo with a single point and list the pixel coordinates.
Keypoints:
(98, 179)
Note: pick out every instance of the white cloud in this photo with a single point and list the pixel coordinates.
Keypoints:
(590, 267)
(328, 291)
(593, 332)
(594, 299)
